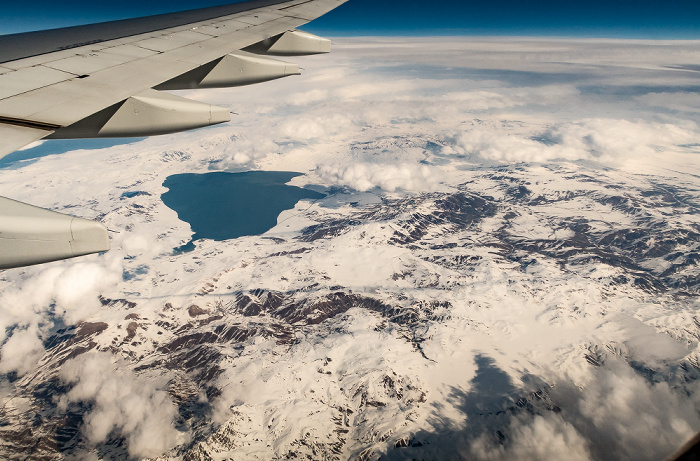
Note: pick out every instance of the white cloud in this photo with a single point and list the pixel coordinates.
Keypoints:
(493, 144)
(360, 90)
(481, 100)
(122, 402)
(627, 418)
(308, 128)
(135, 244)
(611, 141)
(366, 176)
(680, 101)
(302, 129)
(308, 97)
(244, 149)
(619, 140)
(333, 74)
(617, 415)
(76, 289)
(22, 351)
(72, 286)
(539, 439)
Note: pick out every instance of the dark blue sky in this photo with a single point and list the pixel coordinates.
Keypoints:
(599, 18)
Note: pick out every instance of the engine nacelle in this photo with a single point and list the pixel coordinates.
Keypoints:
(236, 69)
(31, 235)
(145, 114)
(292, 43)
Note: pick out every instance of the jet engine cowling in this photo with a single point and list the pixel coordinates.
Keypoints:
(145, 114)
(235, 69)
(32, 235)
(292, 43)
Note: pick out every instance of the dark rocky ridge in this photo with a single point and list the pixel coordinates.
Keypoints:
(658, 254)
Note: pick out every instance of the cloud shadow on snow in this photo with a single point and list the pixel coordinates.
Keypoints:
(489, 405)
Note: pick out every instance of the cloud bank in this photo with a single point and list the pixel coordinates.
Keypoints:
(608, 141)
(541, 438)
(617, 415)
(68, 291)
(21, 351)
(366, 176)
(121, 403)
(386, 115)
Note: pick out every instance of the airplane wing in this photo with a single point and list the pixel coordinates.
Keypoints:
(107, 80)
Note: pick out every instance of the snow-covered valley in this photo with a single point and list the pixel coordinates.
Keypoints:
(506, 264)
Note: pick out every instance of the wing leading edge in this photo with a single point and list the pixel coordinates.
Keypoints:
(106, 80)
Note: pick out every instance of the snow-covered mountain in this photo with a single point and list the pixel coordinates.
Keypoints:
(505, 266)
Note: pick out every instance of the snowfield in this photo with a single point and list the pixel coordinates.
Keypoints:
(506, 265)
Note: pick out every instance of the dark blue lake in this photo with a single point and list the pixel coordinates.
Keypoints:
(222, 206)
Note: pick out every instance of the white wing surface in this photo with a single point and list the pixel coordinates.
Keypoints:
(105, 80)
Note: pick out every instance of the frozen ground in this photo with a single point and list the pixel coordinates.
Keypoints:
(506, 266)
